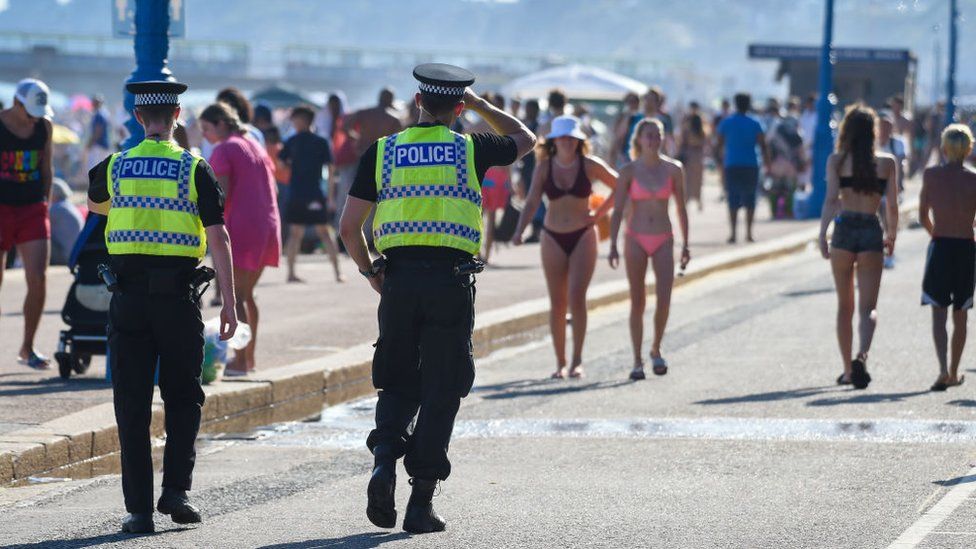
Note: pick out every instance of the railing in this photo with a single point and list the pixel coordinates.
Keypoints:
(202, 51)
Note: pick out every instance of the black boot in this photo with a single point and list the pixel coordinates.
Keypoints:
(381, 505)
(420, 517)
(138, 523)
(174, 503)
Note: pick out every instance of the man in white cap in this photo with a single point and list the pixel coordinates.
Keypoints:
(26, 172)
(425, 182)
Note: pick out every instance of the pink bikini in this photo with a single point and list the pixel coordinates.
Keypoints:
(650, 242)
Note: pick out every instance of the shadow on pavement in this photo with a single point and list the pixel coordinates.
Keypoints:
(770, 396)
(81, 542)
(962, 403)
(360, 541)
(805, 293)
(52, 385)
(529, 388)
(954, 481)
(867, 398)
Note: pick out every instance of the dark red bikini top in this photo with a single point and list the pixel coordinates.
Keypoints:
(582, 187)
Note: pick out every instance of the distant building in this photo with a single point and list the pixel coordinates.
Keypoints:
(870, 75)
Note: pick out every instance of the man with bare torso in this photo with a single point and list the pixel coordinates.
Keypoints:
(949, 195)
(366, 126)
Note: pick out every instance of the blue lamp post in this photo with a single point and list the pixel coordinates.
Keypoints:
(951, 81)
(151, 49)
(823, 142)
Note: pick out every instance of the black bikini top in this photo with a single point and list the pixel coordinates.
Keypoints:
(848, 182)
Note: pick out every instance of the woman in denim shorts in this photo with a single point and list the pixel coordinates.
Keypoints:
(858, 177)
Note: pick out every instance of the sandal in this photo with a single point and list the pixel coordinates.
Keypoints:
(576, 372)
(637, 374)
(35, 361)
(842, 381)
(234, 372)
(659, 365)
(560, 373)
(859, 373)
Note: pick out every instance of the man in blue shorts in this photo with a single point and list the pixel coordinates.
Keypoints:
(738, 137)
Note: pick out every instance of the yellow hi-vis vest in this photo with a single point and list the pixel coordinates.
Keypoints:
(428, 193)
(154, 202)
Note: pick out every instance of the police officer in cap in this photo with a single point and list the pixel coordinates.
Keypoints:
(163, 206)
(425, 184)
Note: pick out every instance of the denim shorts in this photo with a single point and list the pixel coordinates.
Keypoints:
(857, 232)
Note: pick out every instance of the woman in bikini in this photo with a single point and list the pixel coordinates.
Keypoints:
(649, 182)
(857, 178)
(565, 172)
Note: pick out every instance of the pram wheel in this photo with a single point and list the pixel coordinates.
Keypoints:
(81, 363)
(64, 364)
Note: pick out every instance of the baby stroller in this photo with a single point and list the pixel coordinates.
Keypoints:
(86, 307)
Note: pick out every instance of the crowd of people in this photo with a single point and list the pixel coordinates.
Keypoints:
(286, 175)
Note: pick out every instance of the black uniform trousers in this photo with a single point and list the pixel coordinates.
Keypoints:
(146, 327)
(422, 365)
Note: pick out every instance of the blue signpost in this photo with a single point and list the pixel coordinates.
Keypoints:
(951, 81)
(823, 141)
(152, 18)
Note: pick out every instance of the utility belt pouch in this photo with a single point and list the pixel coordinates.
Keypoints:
(200, 281)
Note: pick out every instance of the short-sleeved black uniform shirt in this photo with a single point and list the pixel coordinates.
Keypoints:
(210, 202)
(489, 150)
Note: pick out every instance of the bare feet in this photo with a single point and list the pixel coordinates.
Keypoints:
(293, 278)
(750, 239)
(339, 278)
(576, 371)
(560, 373)
(731, 240)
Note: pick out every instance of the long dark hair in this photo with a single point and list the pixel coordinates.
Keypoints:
(696, 125)
(856, 140)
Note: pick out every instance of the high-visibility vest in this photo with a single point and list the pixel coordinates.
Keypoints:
(154, 202)
(428, 193)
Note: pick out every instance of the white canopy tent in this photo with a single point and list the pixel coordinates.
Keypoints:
(580, 82)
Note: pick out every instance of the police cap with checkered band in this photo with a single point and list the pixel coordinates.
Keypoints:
(443, 79)
(156, 92)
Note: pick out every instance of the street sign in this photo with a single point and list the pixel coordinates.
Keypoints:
(124, 18)
(786, 52)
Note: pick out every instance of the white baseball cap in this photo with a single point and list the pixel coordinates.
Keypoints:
(566, 126)
(34, 94)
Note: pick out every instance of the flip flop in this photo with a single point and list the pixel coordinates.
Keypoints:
(558, 374)
(938, 387)
(842, 381)
(35, 361)
(576, 372)
(233, 372)
(637, 373)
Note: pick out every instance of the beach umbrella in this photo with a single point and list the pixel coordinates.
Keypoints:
(580, 82)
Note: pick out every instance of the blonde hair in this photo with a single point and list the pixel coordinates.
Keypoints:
(635, 147)
(957, 142)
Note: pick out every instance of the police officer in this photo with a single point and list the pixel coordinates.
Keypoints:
(425, 184)
(163, 206)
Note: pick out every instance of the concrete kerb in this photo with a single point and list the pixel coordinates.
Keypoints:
(302, 389)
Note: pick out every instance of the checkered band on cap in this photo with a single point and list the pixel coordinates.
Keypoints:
(155, 237)
(157, 99)
(441, 90)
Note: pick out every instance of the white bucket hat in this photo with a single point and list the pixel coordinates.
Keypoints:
(566, 126)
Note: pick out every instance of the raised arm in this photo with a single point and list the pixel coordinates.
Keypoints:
(502, 122)
(831, 203)
(532, 202)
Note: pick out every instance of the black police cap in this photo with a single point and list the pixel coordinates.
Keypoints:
(156, 92)
(443, 79)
